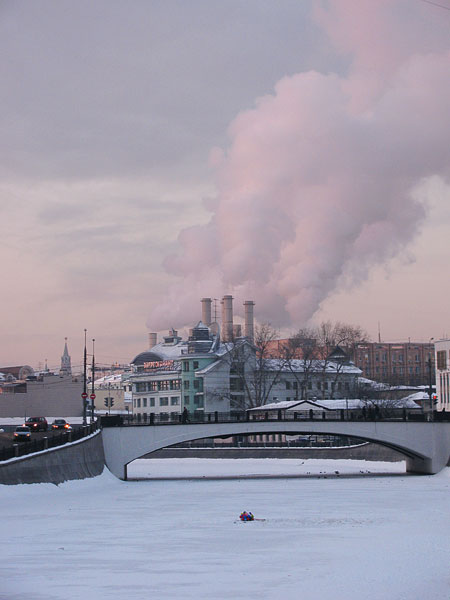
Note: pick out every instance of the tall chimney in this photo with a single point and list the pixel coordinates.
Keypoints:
(152, 340)
(227, 318)
(206, 311)
(248, 319)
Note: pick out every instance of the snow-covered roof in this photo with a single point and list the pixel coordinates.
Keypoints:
(115, 378)
(290, 404)
(417, 397)
(377, 385)
(337, 404)
(316, 366)
(170, 351)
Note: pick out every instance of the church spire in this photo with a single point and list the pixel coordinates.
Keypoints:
(66, 366)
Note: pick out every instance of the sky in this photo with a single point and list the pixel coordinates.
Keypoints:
(154, 153)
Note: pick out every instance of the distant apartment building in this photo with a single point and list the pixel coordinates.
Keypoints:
(113, 393)
(443, 374)
(396, 363)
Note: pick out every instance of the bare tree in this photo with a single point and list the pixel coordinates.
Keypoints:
(334, 336)
(253, 369)
(308, 355)
(301, 355)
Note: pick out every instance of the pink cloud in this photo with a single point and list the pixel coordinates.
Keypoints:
(317, 179)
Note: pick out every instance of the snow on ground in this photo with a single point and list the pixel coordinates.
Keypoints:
(254, 467)
(333, 538)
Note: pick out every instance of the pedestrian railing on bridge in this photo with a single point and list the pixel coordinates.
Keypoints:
(199, 417)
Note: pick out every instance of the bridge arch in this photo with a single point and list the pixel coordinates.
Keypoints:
(426, 446)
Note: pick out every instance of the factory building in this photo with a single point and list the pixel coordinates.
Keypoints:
(217, 369)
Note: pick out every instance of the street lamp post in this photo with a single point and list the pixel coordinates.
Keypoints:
(93, 384)
(430, 383)
(84, 394)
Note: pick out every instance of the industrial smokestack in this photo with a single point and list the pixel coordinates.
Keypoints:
(227, 318)
(152, 340)
(248, 319)
(206, 311)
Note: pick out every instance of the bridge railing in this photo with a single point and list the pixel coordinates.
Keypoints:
(391, 414)
(37, 445)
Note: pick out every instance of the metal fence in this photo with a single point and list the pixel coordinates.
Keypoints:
(369, 414)
(36, 445)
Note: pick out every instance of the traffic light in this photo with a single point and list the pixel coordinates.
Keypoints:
(112, 402)
(106, 402)
(435, 399)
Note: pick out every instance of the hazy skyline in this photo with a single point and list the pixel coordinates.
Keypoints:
(291, 153)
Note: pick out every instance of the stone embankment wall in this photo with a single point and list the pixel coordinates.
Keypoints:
(360, 452)
(78, 460)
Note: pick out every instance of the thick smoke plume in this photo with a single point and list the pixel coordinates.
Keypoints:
(316, 185)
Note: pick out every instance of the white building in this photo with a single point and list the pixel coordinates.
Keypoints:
(442, 362)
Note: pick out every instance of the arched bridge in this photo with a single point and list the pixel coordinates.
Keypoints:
(426, 445)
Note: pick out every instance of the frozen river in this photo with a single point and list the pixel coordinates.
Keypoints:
(327, 535)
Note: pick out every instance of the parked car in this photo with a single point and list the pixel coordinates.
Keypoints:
(61, 424)
(37, 423)
(22, 434)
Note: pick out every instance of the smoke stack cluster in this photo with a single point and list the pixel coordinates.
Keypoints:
(152, 340)
(229, 329)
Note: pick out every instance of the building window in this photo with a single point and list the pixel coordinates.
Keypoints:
(174, 400)
(152, 402)
(186, 399)
(144, 402)
(441, 356)
(139, 403)
(152, 386)
(288, 385)
(175, 384)
(185, 365)
(195, 364)
(198, 400)
(295, 385)
(164, 401)
(186, 385)
(163, 385)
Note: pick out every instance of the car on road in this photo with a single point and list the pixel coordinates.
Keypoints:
(37, 423)
(61, 424)
(22, 434)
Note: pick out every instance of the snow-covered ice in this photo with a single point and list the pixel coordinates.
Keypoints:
(327, 537)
